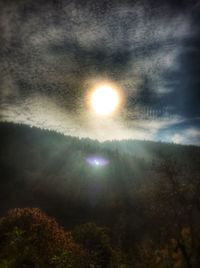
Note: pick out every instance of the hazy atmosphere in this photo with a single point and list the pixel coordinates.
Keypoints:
(99, 134)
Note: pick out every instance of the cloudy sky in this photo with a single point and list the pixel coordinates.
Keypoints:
(52, 51)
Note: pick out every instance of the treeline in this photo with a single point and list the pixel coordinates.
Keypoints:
(149, 203)
(30, 238)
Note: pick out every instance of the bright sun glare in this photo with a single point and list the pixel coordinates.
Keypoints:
(104, 100)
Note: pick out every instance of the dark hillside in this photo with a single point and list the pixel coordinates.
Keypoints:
(142, 186)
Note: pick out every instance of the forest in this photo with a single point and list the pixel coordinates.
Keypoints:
(139, 210)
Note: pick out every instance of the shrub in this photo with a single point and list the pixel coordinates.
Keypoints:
(29, 238)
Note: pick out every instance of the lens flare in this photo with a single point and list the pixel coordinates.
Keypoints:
(96, 160)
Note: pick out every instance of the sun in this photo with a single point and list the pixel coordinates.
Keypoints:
(104, 100)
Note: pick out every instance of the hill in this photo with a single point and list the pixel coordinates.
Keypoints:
(46, 169)
(142, 185)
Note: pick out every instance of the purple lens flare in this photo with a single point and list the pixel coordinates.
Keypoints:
(97, 160)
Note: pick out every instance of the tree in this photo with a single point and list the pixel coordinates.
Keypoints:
(29, 238)
(96, 240)
(172, 206)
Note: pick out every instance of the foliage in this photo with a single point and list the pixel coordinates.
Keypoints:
(29, 238)
(96, 240)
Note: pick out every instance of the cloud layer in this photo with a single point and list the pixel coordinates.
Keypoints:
(51, 50)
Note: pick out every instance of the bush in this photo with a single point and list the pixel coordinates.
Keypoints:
(29, 238)
(96, 241)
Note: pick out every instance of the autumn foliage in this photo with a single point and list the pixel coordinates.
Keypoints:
(29, 238)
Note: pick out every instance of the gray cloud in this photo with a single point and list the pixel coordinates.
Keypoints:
(49, 54)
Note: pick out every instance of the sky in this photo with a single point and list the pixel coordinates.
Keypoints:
(53, 51)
